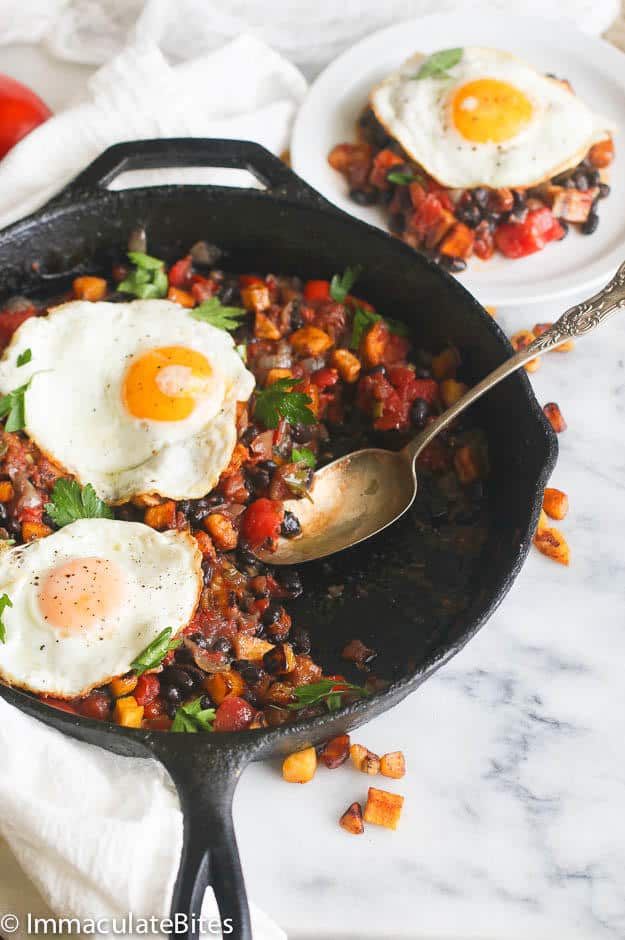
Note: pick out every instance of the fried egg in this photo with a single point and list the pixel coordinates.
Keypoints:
(133, 398)
(489, 120)
(88, 599)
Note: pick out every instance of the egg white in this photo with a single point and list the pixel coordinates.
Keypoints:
(417, 113)
(75, 410)
(164, 579)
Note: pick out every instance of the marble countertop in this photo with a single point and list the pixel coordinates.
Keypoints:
(514, 822)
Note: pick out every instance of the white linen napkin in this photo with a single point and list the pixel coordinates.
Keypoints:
(94, 834)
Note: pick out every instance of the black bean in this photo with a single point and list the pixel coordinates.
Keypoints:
(251, 431)
(386, 196)
(470, 215)
(259, 479)
(247, 559)
(419, 412)
(172, 694)
(269, 465)
(405, 199)
(172, 675)
(200, 640)
(290, 525)
(581, 180)
(376, 370)
(208, 571)
(480, 195)
(565, 229)
(520, 200)
(250, 671)
(230, 295)
(397, 222)
(172, 708)
(222, 645)
(206, 702)
(183, 655)
(301, 433)
(197, 515)
(290, 580)
(196, 675)
(590, 225)
(272, 614)
(604, 190)
(300, 639)
(593, 177)
(364, 197)
(297, 319)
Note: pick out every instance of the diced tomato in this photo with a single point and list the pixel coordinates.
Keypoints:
(202, 288)
(417, 194)
(10, 320)
(96, 705)
(247, 280)
(153, 709)
(410, 387)
(441, 194)
(382, 163)
(395, 350)
(261, 522)
(180, 273)
(517, 239)
(324, 378)
(61, 704)
(484, 244)
(147, 688)
(317, 290)
(426, 215)
(234, 714)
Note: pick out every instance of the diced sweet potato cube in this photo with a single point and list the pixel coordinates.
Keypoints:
(6, 491)
(34, 530)
(348, 365)
(553, 414)
(383, 808)
(256, 297)
(205, 544)
(439, 228)
(274, 375)
(306, 671)
(128, 712)
(222, 531)
(352, 821)
(451, 391)
(393, 765)
(162, 516)
(522, 340)
(310, 341)
(364, 760)
(181, 297)
(222, 684)
(445, 365)
(555, 503)
(602, 154)
(550, 541)
(459, 242)
(251, 648)
(264, 328)
(90, 288)
(374, 344)
(335, 752)
(300, 767)
(540, 328)
(124, 685)
(572, 205)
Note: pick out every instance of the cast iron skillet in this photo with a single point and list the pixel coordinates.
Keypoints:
(289, 228)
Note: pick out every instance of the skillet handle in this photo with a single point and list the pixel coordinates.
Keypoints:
(206, 778)
(162, 153)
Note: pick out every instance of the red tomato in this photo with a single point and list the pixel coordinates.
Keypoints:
(261, 522)
(11, 319)
(148, 687)
(96, 705)
(317, 290)
(246, 280)
(383, 162)
(202, 288)
(517, 239)
(233, 714)
(20, 112)
(180, 273)
(324, 378)
(154, 709)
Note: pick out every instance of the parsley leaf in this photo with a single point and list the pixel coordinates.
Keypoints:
(193, 718)
(224, 318)
(303, 455)
(403, 179)
(148, 280)
(438, 63)
(12, 406)
(341, 285)
(156, 651)
(329, 690)
(278, 401)
(364, 320)
(5, 601)
(69, 502)
(25, 356)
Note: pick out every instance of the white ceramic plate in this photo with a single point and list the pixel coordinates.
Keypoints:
(597, 71)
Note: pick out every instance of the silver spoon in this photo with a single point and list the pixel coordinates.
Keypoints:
(362, 493)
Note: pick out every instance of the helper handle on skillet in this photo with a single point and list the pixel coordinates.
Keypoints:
(194, 152)
(206, 776)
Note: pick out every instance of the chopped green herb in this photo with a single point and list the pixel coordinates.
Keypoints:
(341, 285)
(403, 179)
(278, 401)
(364, 320)
(5, 601)
(438, 64)
(329, 690)
(224, 318)
(148, 280)
(12, 407)
(25, 356)
(154, 654)
(303, 455)
(193, 718)
(69, 502)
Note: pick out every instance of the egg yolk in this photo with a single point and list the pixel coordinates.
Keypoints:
(490, 111)
(81, 593)
(164, 384)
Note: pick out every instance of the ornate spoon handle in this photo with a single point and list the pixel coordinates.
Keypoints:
(576, 321)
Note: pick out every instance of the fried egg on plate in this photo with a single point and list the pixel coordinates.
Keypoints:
(133, 398)
(88, 599)
(489, 120)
